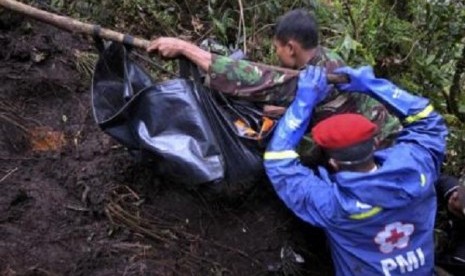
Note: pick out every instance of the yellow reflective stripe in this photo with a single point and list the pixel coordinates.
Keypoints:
(422, 114)
(287, 154)
(367, 214)
(423, 180)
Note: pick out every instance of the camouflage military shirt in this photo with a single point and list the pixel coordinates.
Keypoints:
(274, 88)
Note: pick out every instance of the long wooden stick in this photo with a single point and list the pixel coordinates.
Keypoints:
(75, 26)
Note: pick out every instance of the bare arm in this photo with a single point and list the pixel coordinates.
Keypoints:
(239, 78)
(170, 47)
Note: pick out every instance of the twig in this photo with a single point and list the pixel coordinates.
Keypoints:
(132, 192)
(235, 250)
(187, 6)
(158, 66)
(164, 232)
(255, 6)
(8, 174)
(239, 31)
(131, 246)
(409, 53)
(384, 20)
(264, 27)
(127, 219)
(203, 36)
(85, 194)
(117, 212)
(387, 15)
(77, 208)
(347, 8)
(241, 10)
(13, 122)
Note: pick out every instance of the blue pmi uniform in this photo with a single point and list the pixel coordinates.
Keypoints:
(380, 222)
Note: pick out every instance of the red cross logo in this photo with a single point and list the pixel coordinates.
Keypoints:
(394, 235)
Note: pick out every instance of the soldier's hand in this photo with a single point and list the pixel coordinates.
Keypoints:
(360, 78)
(312, 85)
(167, 47)
(332, 65)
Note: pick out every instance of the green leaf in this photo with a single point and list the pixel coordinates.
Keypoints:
(211, 12)
(349, 43)
(220, 26)
(430, 59)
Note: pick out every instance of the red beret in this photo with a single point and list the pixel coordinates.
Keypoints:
(344, 130)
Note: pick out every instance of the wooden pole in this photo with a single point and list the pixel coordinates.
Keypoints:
(75, 26)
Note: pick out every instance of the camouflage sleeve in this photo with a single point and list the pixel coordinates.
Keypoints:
(337, 103)
(388, 124)
(254, 81)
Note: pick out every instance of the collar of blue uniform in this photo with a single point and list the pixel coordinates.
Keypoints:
(356, 162)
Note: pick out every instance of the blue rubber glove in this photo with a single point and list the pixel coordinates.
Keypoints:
(363, 80)
(312, 88)
(359, 78)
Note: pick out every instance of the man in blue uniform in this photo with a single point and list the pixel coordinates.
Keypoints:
(378, 208)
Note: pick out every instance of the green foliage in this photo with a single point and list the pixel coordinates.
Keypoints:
(259, 17)
(417, 44)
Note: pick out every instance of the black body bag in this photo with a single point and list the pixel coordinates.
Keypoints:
(186, 131)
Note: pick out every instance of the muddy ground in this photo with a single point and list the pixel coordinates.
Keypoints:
(73, 202)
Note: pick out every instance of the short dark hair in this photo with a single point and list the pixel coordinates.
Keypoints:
(354, 157)
(354, 153)
(299, 25)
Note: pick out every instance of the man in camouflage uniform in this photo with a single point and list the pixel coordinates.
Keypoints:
(273, 88)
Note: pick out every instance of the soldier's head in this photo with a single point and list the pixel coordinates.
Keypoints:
(295, 38)
(348, 141)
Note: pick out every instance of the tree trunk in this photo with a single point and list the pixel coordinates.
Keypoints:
(455, 92)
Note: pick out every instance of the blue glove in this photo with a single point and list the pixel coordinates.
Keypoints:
(363, 80)
(359, 78)
(312, 88)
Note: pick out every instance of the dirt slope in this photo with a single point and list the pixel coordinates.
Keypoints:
(73, 202)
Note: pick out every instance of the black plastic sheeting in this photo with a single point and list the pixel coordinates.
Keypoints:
(185, 130)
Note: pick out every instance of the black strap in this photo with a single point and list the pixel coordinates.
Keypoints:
(97, 39)
(196, 73)
(188, 69)
(184, 68)
(96, 29)
(128, 40)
